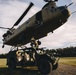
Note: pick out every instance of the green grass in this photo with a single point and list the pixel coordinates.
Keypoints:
(19, 71)
(3, 63)
(68, 61)
(32, 71)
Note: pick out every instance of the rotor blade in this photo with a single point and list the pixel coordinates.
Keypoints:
(22, 16)
(4, 28)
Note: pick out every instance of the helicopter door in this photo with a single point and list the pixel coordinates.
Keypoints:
(39, 17)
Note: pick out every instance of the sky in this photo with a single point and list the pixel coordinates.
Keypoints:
(64, 36)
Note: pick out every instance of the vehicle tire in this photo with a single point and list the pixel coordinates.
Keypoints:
(44, 66)
(55, 66)
(11, 64)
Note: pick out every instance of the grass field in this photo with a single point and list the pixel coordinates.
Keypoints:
(4, 70)
(68, 61)
(3, 63)
(19, 71)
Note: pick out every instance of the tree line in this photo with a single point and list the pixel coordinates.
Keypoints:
(64, 52)
(61, 52)
(3, 55)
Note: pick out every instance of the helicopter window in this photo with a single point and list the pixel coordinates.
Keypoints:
(39, 16)
(27, 21)
(53, 9)
(62, 7)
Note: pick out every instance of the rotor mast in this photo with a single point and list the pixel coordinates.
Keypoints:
(50, 0)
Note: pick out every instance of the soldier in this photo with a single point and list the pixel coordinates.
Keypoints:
(34, 43)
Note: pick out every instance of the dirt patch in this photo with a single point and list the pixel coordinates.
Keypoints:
(64, 69)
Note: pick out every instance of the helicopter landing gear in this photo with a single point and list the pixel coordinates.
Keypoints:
(3, 46)
(18, 47)
(39, 19)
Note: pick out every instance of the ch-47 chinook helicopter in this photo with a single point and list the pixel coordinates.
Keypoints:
(49, 18)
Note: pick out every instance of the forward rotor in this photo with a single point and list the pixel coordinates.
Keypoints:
(21, 17)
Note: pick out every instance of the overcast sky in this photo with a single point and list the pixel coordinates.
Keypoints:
(65, 36)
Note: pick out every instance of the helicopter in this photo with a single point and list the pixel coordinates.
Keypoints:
(49, 18)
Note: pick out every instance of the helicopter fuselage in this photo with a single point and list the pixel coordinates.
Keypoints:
(38, 26)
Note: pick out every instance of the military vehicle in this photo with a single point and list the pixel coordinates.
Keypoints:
(28, 57)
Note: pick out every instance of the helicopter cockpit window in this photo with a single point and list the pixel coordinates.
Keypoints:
(52, 9)
(62, 7)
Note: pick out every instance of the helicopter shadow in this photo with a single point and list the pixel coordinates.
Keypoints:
(22, 71)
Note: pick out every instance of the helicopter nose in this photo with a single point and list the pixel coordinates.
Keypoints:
(65, 11)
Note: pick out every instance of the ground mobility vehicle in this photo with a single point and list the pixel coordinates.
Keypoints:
(32, 57)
